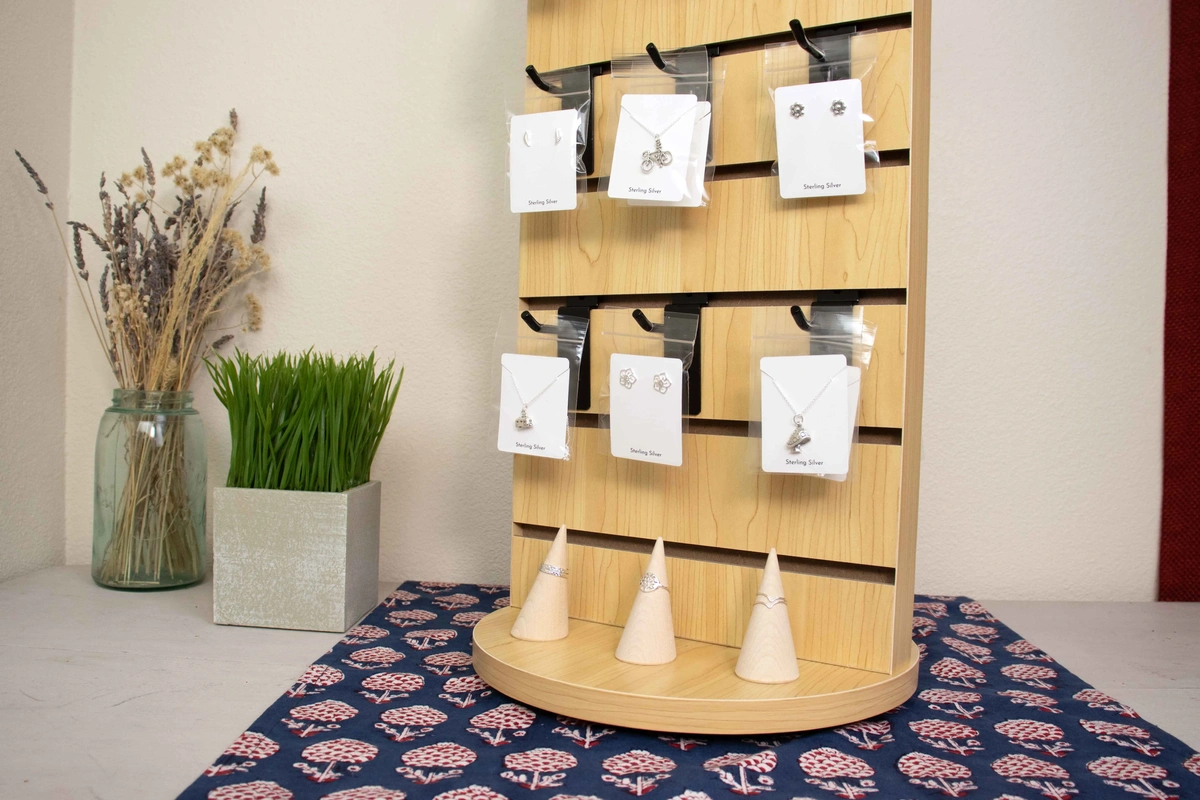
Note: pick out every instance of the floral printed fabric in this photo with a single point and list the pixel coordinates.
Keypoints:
(396, 711)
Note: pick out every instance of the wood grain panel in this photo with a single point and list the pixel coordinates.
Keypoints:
(725, 334)
(718, 498)
(563, 33)
(833, 621)
(744, 129)
(747, 239)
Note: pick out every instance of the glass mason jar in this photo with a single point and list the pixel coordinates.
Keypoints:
(151, 474)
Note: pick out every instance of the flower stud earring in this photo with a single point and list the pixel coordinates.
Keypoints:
(838, 108)
(662, 383)
(797, 110)
(628, 378)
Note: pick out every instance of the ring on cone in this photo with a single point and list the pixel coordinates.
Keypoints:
(768, 654)
(649, 635)
(543, 617)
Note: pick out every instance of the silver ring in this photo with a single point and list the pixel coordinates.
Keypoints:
(769, 602)
(650, 582)
(550, 569)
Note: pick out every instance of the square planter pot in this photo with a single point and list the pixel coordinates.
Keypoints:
(299, 560)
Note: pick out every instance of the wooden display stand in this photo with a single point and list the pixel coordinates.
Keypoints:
(846, 550)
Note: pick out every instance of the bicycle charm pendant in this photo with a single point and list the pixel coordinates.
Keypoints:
(656, 156)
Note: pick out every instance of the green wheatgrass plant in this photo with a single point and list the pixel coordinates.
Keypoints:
(309, 423)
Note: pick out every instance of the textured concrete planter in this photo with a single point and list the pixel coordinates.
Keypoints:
(300, 560)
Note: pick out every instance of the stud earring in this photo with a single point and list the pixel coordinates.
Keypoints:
(557, 135)
(662, 383)
(797, 110)
(628, 378)
(528, 139)
(838, 108)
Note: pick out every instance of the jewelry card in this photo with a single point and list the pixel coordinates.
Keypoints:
(542, 161)
(805, 426)
(645, 398)
(654, 139)
(819, 134)
(693, 195)
(533, 405)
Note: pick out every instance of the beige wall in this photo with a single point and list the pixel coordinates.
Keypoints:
(35, 108)
(388, 227)
(390, 230)
(1047, 238)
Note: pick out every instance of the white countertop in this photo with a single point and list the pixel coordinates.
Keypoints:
(121, 695)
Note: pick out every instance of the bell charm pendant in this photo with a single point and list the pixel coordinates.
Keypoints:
(799, 437)
(524, 422)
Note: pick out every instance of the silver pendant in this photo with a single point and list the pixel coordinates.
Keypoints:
(799, 437)
(656, 156)
(524, 422)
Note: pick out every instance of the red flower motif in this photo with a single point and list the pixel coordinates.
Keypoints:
(1036, 774)
(249, 745)
(461, 692)
(1098, 699)
(427, 640)
(946, 735)
(1123, 735)
(445, 663)
(507, 717)
(447, 757)
(1134, 776)
(1192, 764)
(540, 768)
(334, 752)
(400, 596)
(935, 610)
(1023, 649)
(648, 771)
(363, 634)
(923, 626)
(453, 601)
(331, 711)
(468, 619)
(976, 652)
(760, 763)
(953, 671)
(869, 734)
(922, 769)
(1033, 735)
(1030, 674)
(1031, 700)
(973, 610)
(366, 793)
(953, 703)
(472, 792)
(410, 618)
(413, 721)
(373, 658)
(980, 633)
(317, 675)
(391, 685)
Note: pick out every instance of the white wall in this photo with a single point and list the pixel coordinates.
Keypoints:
(389, 230)
(1047, 231)
(387, 227)
(35, 108)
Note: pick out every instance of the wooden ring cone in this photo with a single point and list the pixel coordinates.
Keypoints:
(543, 617)
(768, 654)
(649, 635)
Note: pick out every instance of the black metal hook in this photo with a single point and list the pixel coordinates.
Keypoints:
(656, 57)
(532, 72)
(802, 39)
(801, 320)
(641, 319)
(529, 319)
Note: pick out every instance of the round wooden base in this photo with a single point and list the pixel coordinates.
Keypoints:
(696, 693)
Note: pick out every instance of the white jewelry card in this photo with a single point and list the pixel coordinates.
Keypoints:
(820, 149)
(645, 408)
(804, 419)
(533, 405)
(542, 161)
(693, 195)
(645, 167)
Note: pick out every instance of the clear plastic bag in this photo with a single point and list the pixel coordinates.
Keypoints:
(640, 90)
(815, 103)
(536, 383)
(646, 388)
(798, 386)
(545, 129)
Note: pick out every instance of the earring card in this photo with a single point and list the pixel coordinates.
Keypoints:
(543, 432)
(542, 161)
(820, 151)
(646, 423)
(815, 387)
(639, 170)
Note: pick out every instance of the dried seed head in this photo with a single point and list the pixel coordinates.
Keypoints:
(254, 313)
(233, 121)
(41, 187)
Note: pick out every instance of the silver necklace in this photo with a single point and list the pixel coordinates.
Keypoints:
(800, 436)
(656, 156)
(524, 421)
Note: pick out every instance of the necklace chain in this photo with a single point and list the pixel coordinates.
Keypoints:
(646, 128)
(526, 404)
(799, 418)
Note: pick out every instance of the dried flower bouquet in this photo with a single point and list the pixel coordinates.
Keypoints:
(172, 270)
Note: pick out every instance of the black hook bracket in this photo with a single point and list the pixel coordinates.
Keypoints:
(833, 62)
(676, 343)
(571, 84)
(831, 318)
(573, 317)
